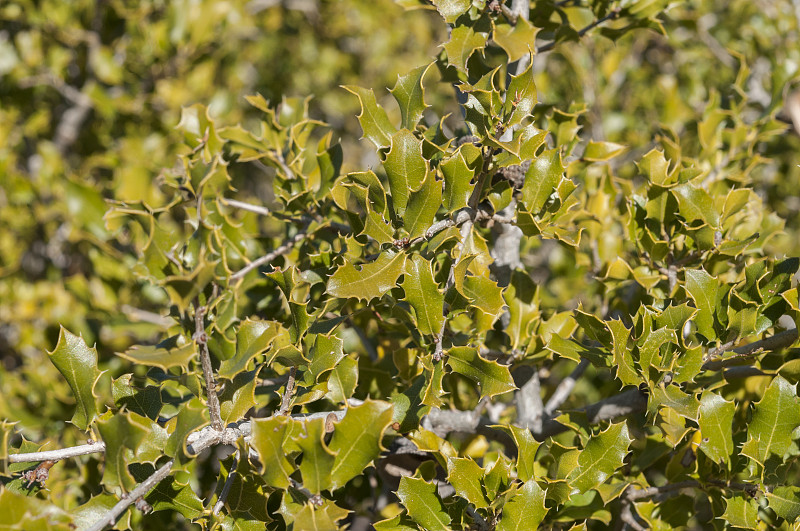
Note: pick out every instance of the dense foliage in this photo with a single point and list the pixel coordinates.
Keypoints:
(551, 284)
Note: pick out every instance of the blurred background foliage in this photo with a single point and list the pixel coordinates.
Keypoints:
(91, 93)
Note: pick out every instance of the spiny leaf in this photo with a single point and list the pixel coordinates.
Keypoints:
(527, 447)
(521, 97)
(356, 440)
(122, 432)
(78, 364)
(328, 351)
(623, 360)
(602, 456)
(704, 290)
(541, 179)
(716, 426)
(405, 167)
(465, 476)
(410, 96)
(493, 378)
(318, 459)
(775, 417)
(343, 380)
(516, 40)
(252, 339)
(452, 9)
(602, 151)
(785, 501)
(371, 281)
(374, 121)
(422, 293)
(525, 510)
(423, 504)
(268, 435)
(422, 206)
(463, 42)
(741, 512)
(458, 172)
(164, 357)
(522, 300)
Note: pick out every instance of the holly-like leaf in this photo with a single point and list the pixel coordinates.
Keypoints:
(527, 447)
(238, 397)
(252, 339)
(356, 440)
(410, 96)
(465, 476)
(525, 510)
(423, 504)
(785, 501)
(741, 512)
(602, 456)
(602, 151)
(191, 416)
(522, 300)
(493, 378)
(371, 281)
(541, 179)
(516, 40)
(405, 167)
(716, 427)
(422, 293)
(343, 380)
(374, 121)
(452, 9)
(78, 364)
(695, 204)
(623, 360)
(422, 206)
(122, 432)
(464, 40)
(169, 494)
(268, 435)
(775, 417)
(317, 458)
(521, 97)
(328, 351)
(458, 172)
(165, 357)
(704, 290)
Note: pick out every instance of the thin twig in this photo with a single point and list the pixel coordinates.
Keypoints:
(287, 394)
(269, 257)
(140, 491)
(227, 487)
(614, 13)
(780, 340)
(565, 388)
(647, 492)
(256, 209)
(201, 339)
(58, 455)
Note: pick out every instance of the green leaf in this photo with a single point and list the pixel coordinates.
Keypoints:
(78, 364)
(268, 435)
(401, 522)
(422, 293)
(342, 381)
(654, 167)
(704, 290)
(527, 447)
(623, 359)
(163, 357)
(423, 504)
(410, 96)
(357, 438)
(602, 456)
(405, 167)
(695, 204)
(452, 9)
(785, 501)
(602, 151)
(541, 179)
(317, 458)
(716, 427)
(463, 42)
(741, 512)
(374, 121)
(516, 40)
(522, 300)
(774, 419)
(238, 397)
(169, 494)
(191, 416)
(122, 432)
(465, 476)
(521, 97)
(458, 171)
(493, 378)
(328, 351)
(525, 510)
(252, 338)
(377, 227)
(371, 281)
(422, 206)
